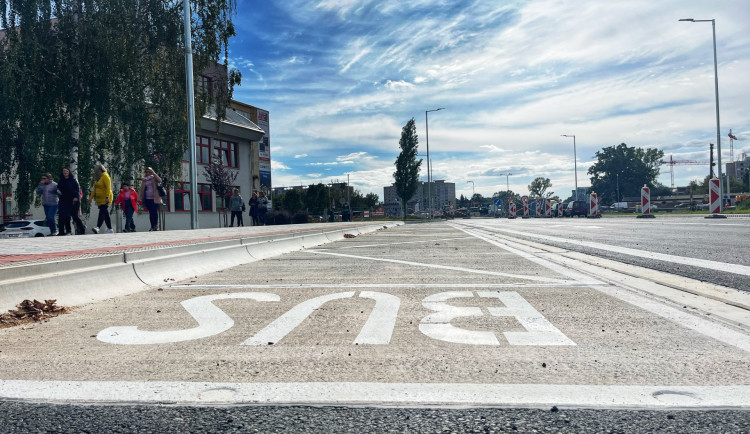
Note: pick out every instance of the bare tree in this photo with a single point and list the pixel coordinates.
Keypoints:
(222, 180)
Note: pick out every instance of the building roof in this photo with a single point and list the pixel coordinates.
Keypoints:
(235, 118)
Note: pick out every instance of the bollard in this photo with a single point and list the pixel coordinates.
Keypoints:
(645, 203)
(525, 203)
(511, 208)
(714, 200)
(594, 206)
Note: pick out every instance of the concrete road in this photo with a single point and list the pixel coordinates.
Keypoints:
(456, 314)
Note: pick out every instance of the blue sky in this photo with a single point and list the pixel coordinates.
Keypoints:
(340, 78)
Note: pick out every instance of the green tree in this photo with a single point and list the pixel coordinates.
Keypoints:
(538, 188)
(316, 199)
(86, 81)
(221, 179)
(292, 201)
(406, 175)
(624, 166)
(371, 200)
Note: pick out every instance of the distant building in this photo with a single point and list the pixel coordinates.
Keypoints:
(739, 169)
(442, 193)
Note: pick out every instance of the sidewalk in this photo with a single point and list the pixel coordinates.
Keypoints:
(80, 269)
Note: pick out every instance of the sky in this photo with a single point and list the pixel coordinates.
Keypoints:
(341, 78)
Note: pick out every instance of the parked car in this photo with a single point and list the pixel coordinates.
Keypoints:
(576, 208)
(26, 229)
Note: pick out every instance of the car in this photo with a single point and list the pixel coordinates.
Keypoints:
(576, 208)
(26, 229)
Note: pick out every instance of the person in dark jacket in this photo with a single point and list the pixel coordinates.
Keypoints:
(253, 202)
(70, 203)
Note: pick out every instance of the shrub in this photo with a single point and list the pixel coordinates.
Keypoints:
(301, 217)
(278, 217)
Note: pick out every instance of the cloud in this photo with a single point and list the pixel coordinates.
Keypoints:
(300, 156)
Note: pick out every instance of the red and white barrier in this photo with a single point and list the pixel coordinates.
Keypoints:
(714, 196)
(593, 205)
(547, 208)
(525, 203)
(537, 208)
(561, 209)
(645, 202)
(511, 208)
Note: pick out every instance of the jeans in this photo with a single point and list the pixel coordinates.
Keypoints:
(238, 214)
(69, 210)
(103, 217)
(129, 224)
(153, 212)
(49, 213)
(261, 218)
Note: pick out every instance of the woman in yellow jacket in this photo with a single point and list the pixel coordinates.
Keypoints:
(102, 193)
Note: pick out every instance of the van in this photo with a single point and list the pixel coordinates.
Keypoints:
(576, 208)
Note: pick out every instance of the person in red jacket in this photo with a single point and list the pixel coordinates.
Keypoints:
(128, 200)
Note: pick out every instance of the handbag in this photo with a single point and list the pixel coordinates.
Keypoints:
(162, 191)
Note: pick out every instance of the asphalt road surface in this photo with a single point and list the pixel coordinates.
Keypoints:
(463, 326)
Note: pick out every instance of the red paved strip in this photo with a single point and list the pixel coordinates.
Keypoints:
(7, 259)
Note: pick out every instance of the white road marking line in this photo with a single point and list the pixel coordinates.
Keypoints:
(565, 271)
(374, 285)
(443, 267)
(368, 393)
(702, 263)
(394, 244)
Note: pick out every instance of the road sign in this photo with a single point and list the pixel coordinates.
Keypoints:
(497, 201)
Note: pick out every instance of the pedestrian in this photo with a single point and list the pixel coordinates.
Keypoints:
(70, 204)
(253, 202)
(262, 208)
(236, 207)
(47, 188)
(150, 197)
(102, 195)
(128, 200)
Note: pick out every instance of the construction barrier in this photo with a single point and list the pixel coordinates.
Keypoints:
(537, 208)
(561, 209)
(525, 203)
(593, 205)
(512, 209)
(714, 196)
(645, 203)
(547, 208)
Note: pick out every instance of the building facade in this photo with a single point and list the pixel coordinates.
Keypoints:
(443, 193)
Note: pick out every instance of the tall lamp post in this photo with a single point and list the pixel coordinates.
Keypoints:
(507, 185)
(429, 169)
(575, 160)
(716, 91)
(472, 191)
(191, 119)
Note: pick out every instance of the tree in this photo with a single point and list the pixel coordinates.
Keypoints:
(624, 166)
(538, 188)
(221, 180)
(86, 81)
(407, 166)
(316, 199)
(292, 201)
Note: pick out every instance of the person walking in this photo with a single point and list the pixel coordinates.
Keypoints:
(47, 188)
(236, 206)
(70, 193)
(128, 200)
(102, 194)
(262, 208)
(150, 196)
(253, 202)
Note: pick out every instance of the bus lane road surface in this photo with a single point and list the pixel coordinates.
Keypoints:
(439, 314)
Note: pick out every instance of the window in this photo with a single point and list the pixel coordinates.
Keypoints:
(205, 84)
(202, 150)
(204, 196)
(182, 196)
(227, 152)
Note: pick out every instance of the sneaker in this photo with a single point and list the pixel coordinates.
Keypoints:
(109, 231)
(69, 233)
(95, 230)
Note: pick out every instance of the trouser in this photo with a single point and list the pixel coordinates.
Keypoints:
(129, 224)
(153, 212)
(103, 217)
(49, 213)
(68, 211)
(261, 218)
(238, 214)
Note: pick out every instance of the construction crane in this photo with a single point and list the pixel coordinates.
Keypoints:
(732, 138)
(672, 162)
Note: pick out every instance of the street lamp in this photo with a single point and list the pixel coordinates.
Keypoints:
(575, 160)
(716, 90)
(429, 176)
(190, 119)
(507, 186)
(472, 190)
